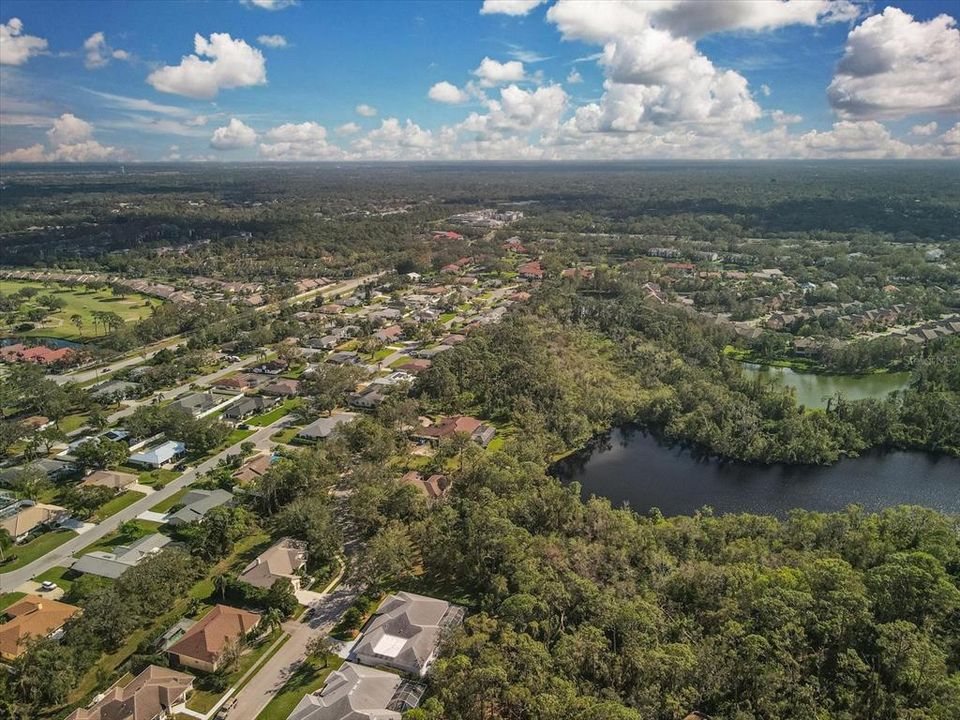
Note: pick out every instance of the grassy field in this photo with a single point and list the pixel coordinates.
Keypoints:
(79, 301)
(285, 436)
(157, 478)
(36, 548)
(56, 574)
(137, 530)
(111, 507)
(8, 599)
(284, 408)
(165, 505)
(309, 676)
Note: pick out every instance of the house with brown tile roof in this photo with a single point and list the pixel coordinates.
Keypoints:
(149, 696)
(282, 560)
(31, 616)
(434, 487)
(112, 479)
(450, 426)
(202, 646)
(254, 468)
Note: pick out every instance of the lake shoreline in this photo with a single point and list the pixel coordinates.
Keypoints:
(631, 464)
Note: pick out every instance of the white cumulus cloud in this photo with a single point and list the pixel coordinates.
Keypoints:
(68, 129)
(232, 64)
(446, 92)
(97, 53)
(894, 66)
(298, 141)
(492, 72)
(924, 130)
(71, 140)
(365, 110)
(349, 128)
(509, 7)
(15, 47)
(233, 136)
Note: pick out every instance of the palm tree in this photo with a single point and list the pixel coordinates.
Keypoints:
(220, 584)
(77, 320)
(6, 542)
(273, 619)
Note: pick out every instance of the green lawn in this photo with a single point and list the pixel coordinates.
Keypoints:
(79, 301)
(156, 478)
(37, 548)
(308, 677)
(285, 436)
(234, 437)
(8, 599)
(165, 505)
(284, 408)
(447, 317)
(55, 574)
(112, 507)
(137, 530)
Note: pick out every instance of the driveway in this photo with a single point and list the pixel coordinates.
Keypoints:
(32, 587)
(277, 670)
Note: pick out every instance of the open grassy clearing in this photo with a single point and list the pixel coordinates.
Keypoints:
(80, 301)
(36, 548)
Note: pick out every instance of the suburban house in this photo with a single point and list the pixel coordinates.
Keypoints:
(249, 406)
(202, 646)
(253, 468)
(345, 357)
(282, 387)
(159, 455)
(354, 692)
(369, 398)
(284, 559)
(450, 426)
(405, 632)
(434, 487)
(389, 334)
(324, 427)
(114, 564)
(116, 481)
(202, 404)
(151, 695)
(531, 270)
(415, 365)
(24, 516)
(115, 390)
(31, 616)
(198, 503)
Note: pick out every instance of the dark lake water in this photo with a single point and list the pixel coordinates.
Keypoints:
(634, 467)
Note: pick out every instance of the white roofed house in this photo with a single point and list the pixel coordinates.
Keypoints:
(405, 632)
(159, 455)
(116, 563)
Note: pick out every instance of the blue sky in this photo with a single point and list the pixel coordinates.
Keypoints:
(103, 80)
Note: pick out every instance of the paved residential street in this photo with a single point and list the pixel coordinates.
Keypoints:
(62, 556)
(267, 682)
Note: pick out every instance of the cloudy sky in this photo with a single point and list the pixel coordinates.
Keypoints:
(496, 79)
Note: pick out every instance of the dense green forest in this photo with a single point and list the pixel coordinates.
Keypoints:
(593, 613)
(306, 217)
(576, 362)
